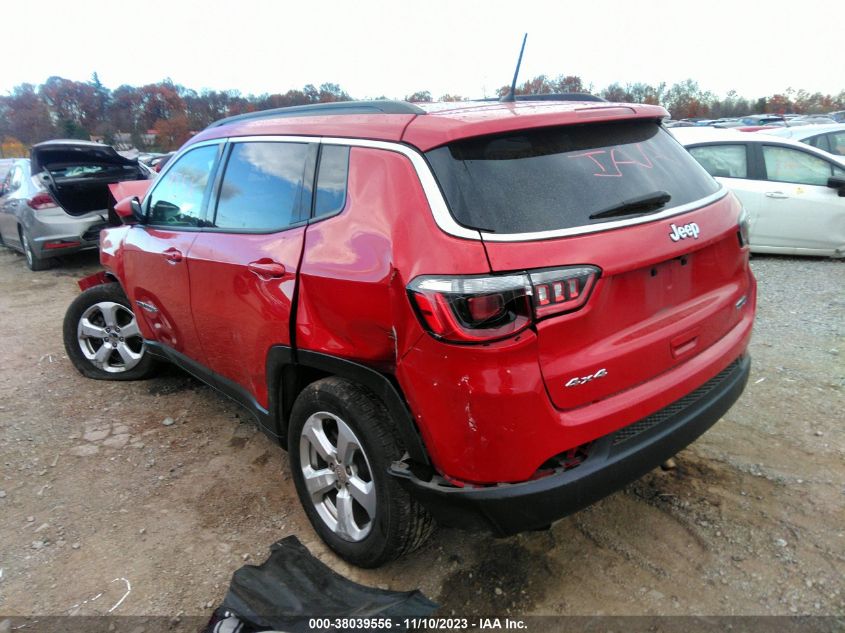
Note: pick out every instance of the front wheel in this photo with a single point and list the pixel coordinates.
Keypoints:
(102, 338)
(341, 443)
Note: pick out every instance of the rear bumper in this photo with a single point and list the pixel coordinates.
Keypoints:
(614, 461)
(51, 248)
(78, 236)
(54, 233)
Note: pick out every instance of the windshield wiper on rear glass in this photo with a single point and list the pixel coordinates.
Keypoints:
(640, 205)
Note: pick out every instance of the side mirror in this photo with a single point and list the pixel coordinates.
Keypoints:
(129, 210)
(837, 183)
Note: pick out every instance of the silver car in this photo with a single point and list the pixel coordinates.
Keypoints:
(56, 202)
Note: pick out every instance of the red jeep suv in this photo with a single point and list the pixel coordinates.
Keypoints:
(485, 314)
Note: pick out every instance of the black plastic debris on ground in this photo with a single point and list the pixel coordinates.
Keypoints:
(291, 588)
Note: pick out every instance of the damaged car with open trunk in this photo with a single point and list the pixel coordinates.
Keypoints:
(57, 201)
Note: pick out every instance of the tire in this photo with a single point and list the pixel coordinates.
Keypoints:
(33, 261)
(378, 520)
(99, 313)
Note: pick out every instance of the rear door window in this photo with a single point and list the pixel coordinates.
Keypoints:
(262, 187)
(727, 161)
(556, 178)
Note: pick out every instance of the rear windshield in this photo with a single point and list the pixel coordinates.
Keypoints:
(556, 178)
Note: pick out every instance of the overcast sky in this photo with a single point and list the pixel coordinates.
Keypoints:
(374, 48)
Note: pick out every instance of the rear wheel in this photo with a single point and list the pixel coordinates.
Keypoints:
(102, 338)
(341, 443)
(33, 261)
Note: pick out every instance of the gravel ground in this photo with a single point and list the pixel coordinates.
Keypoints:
(97, 492)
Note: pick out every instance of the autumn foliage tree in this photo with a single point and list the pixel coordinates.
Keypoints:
(64, 108)
(172, 132)
(421, 96)
(12, 148)
(26, 116)
(545, 85)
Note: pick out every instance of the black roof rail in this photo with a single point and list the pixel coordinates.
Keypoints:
(376, 106)
(554, 96)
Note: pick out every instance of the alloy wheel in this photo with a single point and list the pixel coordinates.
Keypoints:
(338, 476)
(109, 337)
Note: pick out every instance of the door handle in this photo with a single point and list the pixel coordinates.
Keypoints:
(776, 194)
(267, 269)
(172, 255)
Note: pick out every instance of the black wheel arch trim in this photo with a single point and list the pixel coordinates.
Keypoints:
(282, 369)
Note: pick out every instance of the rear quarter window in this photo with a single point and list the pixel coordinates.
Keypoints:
(556, 178)
(331, 180)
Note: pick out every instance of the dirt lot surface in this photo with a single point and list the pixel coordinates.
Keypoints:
(97, 493)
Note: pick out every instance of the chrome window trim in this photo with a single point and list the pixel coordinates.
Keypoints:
(273, 139)
(437, 203)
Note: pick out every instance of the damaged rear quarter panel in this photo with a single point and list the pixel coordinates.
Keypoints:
(356, 265)
(480, 408)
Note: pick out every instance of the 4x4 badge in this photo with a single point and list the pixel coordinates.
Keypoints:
(583, 380)
(683, 232)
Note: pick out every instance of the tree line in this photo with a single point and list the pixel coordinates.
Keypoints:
(162, 116)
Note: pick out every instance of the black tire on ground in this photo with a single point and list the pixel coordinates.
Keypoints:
(400, 524)
(89, 302)
(33, 261)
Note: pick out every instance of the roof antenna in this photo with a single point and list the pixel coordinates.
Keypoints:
(511, 96)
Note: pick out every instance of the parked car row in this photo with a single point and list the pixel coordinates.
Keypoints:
(762, 120)
(155, 161)
(57, 201)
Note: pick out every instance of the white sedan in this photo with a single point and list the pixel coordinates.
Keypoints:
(794, 193)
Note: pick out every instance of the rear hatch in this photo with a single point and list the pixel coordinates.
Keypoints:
(623, 197)
(77, 173)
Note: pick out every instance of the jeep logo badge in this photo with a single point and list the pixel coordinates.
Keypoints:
(683, 232)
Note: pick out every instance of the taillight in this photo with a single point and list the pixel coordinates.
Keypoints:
(42, 201)
(487, 308)
(473, 309)
(561, 290)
